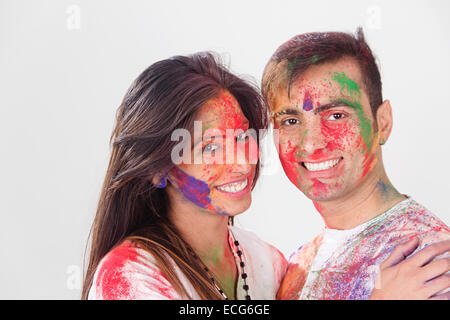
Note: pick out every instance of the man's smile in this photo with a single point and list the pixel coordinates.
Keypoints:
(320, 166)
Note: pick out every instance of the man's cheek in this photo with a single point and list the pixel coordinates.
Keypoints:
(340, 138)
(288, 154)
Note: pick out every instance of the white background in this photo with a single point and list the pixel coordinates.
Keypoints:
(65, 66)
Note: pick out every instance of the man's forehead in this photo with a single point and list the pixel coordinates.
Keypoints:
(324, 81)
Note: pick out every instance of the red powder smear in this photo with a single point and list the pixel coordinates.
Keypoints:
(111, 280)
(340, 136)
(369, 162)
(320, 188)
(289, 163)
(114, 280)
(228, 111)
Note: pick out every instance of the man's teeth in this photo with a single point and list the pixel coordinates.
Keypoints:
(234, 187)
(321, 165)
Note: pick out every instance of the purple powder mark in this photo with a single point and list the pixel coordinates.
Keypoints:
(194, 190)
(307, 102)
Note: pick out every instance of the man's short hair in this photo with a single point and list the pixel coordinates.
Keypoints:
(299, 53)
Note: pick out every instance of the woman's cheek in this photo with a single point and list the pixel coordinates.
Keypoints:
(193, 189)
(247, 152)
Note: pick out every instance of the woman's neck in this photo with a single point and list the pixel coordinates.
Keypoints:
(207, 234)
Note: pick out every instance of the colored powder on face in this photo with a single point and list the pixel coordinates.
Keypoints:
(289, 163)
(320, 188)
(194, 190)
(353, 90)
(307, 102)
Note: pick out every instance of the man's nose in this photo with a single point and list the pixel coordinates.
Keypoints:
(312, 139)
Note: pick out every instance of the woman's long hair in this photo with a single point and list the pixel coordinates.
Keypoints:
(165, 97)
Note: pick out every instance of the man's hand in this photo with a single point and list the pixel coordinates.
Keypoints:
(417, 277)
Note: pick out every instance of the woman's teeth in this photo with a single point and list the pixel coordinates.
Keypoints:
(321, 165)
(234, 187)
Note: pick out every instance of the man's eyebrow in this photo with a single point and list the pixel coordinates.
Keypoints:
(291, 111)
(333, 104)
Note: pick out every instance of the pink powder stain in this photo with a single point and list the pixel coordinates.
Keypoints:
(115, 284)
(112, 280)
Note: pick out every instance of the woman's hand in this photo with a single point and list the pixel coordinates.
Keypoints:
(416, 277)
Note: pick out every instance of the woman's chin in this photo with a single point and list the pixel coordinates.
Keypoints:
(236, 207)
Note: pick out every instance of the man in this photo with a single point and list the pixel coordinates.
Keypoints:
(324, 93)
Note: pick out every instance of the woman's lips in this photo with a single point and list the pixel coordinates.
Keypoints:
(235, 189)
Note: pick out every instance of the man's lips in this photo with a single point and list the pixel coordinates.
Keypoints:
(320, 165)
(322, 168)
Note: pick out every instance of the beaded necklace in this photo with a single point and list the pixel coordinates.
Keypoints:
(214, 282)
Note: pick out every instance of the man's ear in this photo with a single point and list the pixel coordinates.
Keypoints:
(384, 121)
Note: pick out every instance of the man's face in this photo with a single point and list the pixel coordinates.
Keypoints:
(327, 141)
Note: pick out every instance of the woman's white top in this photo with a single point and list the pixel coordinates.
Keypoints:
(129, 272)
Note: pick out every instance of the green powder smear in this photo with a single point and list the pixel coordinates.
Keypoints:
(353, 90)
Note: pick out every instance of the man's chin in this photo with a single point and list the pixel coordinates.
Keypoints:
(321, 195)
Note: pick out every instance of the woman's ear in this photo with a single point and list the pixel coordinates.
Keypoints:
(384, 121)
(160, 181)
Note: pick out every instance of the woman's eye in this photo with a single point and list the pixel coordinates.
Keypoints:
(210, 147)
(243, 137)
(336, 116)
(290, 122)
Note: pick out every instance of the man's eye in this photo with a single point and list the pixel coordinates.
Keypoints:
(290, 122)
(336, 116)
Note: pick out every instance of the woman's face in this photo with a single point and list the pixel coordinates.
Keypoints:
(218, 175)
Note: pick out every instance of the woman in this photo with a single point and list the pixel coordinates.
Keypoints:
(177, 218)
(164, 227)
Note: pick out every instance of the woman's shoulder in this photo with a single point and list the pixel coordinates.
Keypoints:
(129, 272)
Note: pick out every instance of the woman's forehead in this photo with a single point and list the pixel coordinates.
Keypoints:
(222, 111)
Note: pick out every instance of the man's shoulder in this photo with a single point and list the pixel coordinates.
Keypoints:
(415, 219)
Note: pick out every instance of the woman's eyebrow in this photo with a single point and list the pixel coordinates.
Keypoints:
(333, 104)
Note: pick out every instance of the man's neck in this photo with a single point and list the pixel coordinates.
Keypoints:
(371, 198)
